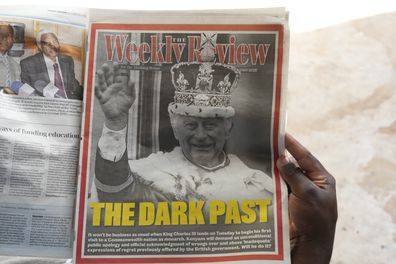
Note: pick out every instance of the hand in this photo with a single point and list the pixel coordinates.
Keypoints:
(115, 93)
(7, 90)
(312, 205)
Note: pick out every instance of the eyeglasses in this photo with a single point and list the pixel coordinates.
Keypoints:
(45, 43)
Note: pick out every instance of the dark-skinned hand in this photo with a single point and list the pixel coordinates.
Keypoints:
(312, 205)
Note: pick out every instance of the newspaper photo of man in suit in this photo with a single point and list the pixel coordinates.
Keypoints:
(9, 68)
(50, 70)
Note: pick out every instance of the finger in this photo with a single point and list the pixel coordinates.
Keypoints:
(100, 80)
(315, 171)
(108, 73)
(106, 70)
(304, 158)
(121, 76)
(105, 67)
(131, 89)
(8, 91)
(298, 182)
(110, 78)
(116, 68)
(98, 93)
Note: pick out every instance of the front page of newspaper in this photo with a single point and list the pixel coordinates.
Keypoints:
(41, 62)
(181, 131)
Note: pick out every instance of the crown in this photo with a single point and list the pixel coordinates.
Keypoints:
(204, 85)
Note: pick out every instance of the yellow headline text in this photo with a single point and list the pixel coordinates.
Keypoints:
(180, 213)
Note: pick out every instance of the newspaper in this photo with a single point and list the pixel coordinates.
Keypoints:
(40, 117)
(183, 123)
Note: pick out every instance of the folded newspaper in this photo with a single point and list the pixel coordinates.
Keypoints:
(182, 122)
(40, 120)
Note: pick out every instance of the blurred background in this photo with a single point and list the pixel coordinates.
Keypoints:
(341, 105)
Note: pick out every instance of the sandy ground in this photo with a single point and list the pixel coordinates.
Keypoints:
(342, 106)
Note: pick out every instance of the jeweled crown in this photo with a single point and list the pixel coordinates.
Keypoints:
(204, 84)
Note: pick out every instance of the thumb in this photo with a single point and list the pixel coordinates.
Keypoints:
(130, 91)
(299, 183)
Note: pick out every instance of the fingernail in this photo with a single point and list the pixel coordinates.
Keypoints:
(282, 161)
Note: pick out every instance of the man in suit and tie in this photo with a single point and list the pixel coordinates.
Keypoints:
(50, 67)
(9, 68)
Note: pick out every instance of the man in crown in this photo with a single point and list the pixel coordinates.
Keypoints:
(202, 119)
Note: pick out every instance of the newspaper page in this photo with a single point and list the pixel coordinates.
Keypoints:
(181, 130)
(41, 64)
